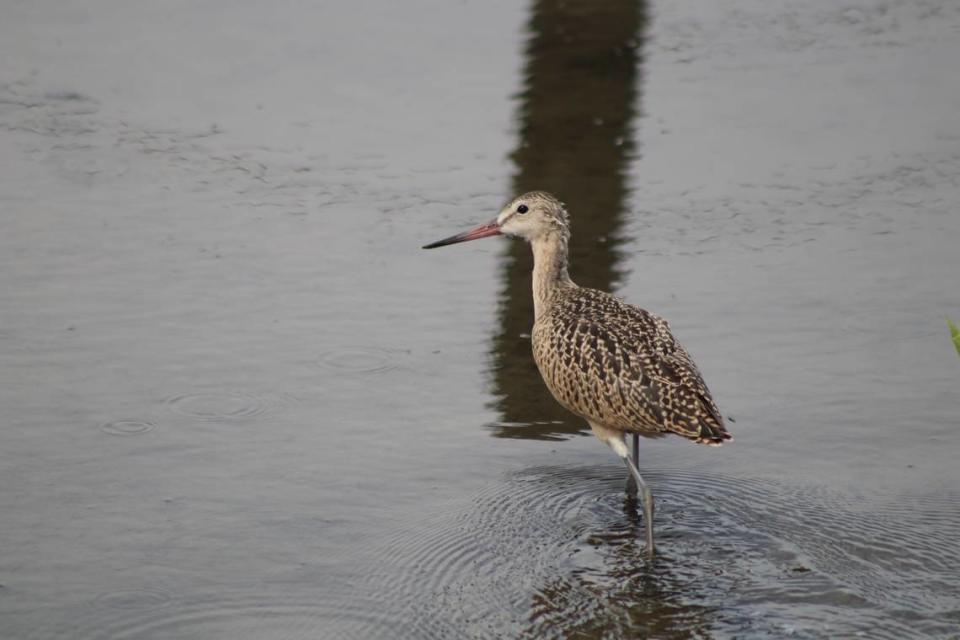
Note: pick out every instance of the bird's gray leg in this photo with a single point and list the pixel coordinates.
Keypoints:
(614, 440)
(632, 488)
(647, 497)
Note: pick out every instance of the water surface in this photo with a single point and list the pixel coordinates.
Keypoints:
(239, 402)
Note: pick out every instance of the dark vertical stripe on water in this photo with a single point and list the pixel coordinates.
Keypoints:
(575, 115)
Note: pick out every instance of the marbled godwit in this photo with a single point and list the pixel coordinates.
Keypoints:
(613, 364)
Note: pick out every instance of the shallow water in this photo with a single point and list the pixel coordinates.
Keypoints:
(239, 401)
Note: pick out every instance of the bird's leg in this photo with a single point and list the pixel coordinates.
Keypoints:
(614, 440)
(647, 497)
(632, 488)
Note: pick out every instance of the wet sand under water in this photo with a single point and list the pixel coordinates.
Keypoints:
(240, 402)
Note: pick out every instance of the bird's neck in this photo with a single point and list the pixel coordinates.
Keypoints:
(549, 270)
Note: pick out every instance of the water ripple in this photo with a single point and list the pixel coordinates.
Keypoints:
(225, 406)
(133, 599)
(127, 427)
(360, 359)
(556, 551)
(147, 614)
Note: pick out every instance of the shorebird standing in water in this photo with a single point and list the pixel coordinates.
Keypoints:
(613, 364)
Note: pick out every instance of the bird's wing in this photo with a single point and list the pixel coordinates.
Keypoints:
(621, 365)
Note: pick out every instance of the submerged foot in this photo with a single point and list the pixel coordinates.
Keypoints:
(631, 489)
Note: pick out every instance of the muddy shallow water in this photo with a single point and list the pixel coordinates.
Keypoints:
(240, 402)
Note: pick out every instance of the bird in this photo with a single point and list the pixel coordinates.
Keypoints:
(617, 366)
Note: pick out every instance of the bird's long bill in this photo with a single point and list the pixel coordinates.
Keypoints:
(480, 231)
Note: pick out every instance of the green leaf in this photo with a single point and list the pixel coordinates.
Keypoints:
(955, 334)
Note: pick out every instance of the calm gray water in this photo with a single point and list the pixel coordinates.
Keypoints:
(240, 402)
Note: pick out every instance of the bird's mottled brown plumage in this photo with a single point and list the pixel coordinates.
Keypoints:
(614, 364)
(620, 366)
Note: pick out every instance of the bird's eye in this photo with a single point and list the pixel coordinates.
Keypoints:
(522, 209)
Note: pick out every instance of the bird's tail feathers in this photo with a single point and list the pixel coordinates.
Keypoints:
(712, 433)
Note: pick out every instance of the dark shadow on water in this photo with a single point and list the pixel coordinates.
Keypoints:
(576, 117)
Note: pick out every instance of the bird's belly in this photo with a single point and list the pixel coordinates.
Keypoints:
(581, 393)
(569, 386)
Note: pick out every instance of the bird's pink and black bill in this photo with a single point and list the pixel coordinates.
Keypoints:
(480, 231)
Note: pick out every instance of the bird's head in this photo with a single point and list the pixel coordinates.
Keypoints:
(530, 216)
